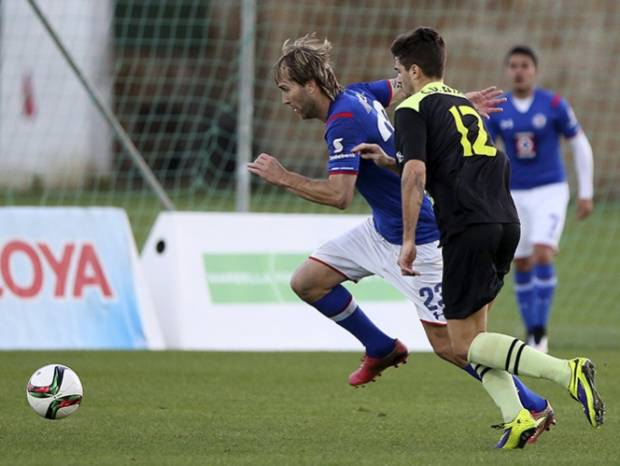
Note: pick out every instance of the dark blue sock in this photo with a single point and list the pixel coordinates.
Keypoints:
(545, 283)
(340, 306)
(526, 294)
(470, 370)
(530, 400)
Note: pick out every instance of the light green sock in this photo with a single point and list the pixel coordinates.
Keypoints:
(500, 385)
(510, 354)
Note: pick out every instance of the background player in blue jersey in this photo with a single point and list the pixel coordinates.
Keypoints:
(354, 115)
(530, 127)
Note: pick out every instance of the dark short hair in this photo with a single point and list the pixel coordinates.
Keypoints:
(423, 47)
(522, 50)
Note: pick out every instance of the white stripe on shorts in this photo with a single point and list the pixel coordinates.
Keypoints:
(346, 312)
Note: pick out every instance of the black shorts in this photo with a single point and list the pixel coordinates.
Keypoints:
(474, 264)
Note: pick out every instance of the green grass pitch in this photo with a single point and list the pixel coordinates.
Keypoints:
(194, 408)
(185, 408)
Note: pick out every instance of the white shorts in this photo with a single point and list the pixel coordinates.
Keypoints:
(542, 212)
(363, 252)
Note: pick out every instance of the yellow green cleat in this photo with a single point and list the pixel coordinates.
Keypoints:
(518, 432)
(582, 389)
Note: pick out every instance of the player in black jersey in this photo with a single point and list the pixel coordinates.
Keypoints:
(443, 147)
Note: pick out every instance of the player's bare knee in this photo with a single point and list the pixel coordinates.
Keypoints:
(303, 287)
(543, 254)
(524, 264)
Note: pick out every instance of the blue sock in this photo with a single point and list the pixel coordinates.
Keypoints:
(470, 370)
(340, 306)
(530, 400)
(526, 294)
(545, 283)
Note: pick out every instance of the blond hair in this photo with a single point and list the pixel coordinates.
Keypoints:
(305, 59)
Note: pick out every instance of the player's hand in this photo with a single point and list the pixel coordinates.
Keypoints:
(487, 100)
(375, 153)
(268, 168)
(584, 208)
(406, 258)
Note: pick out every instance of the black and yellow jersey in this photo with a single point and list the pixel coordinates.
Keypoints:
(467, 176)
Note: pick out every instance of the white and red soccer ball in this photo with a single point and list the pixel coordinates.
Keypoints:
(54, 391)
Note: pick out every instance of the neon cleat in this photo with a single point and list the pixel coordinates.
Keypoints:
(519, 431)
(372, 367)
(582, 389)
(548, 419)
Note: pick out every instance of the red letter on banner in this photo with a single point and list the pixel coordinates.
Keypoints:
(5, 268)
(59, 267)
(88, 258)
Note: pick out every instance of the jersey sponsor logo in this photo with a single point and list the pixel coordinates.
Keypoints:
(338, 145)
(506, 124)
(524, 144)
(342, 156)
(539, 121)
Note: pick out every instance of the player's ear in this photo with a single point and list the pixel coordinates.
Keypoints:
(415, 71)
(311, 87)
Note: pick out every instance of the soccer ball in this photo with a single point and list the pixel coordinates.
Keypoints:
(54, 391)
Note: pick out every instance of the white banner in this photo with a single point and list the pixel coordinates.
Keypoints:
(71, 278)
(50, 131)
(221, 281)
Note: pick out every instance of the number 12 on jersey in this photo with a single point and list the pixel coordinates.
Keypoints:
(480, 146)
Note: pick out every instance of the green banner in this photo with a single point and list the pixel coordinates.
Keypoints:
(264, 278)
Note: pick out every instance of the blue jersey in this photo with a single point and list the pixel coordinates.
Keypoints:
(358, 115)
(532, 138)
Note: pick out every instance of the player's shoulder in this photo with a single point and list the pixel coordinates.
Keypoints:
(348, 109)
(550, 98)
(343, 118)
(430, 93)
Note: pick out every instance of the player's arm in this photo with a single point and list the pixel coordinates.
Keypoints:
(584, 169)
(336, 191)
(411, 143)
(582, 154)
(375, 153)
(412, 185)
(398, 94)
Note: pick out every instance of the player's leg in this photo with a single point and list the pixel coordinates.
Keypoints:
(425, 291)
(545, 282)
(539, 407)
(519, 425)
(523, 262)
(318, 282)
(320, 286)
(508, 353)
(547, 226)
(471, 282)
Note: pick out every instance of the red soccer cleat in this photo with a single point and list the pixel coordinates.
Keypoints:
(549, 421)
(372, 367)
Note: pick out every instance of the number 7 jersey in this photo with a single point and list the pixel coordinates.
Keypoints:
(466, 175)
(358, 115)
